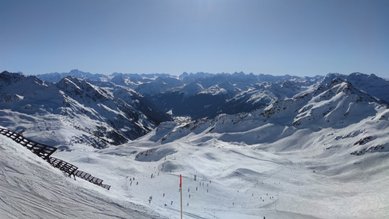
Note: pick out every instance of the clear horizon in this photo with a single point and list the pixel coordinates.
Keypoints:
(109, 73)
(302, 38)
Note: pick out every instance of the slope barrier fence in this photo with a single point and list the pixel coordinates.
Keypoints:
(45, 152)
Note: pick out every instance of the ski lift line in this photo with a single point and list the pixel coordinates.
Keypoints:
(45, 152)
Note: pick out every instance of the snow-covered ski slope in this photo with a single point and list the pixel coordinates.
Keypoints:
(31, 188)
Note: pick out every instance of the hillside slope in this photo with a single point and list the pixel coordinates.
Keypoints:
(31, 188)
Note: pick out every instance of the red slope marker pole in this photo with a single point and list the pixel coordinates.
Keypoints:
(181, 194)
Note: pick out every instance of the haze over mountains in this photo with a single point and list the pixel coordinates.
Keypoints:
(260, 145)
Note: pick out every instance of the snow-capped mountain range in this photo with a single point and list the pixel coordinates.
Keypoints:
(247, 145)
(115, 108)
(199, 95)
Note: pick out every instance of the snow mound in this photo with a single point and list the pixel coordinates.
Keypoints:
(169, 166)
(154, 154)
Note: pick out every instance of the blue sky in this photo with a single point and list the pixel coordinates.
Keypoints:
(299, 37)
